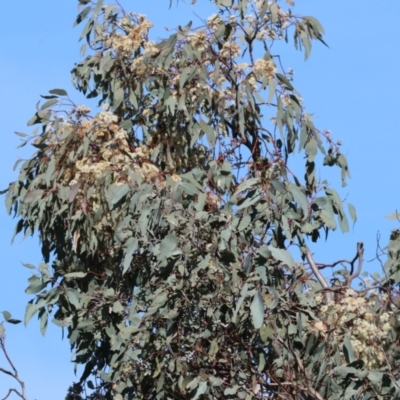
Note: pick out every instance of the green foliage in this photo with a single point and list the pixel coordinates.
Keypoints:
(172, 218)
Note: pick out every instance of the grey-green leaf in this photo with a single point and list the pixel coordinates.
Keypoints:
(74, 275)
(352, 212)
(59, 92)
(201, 389)
(257, 310)
(348, 349)
(31, 309)
(73, 297)
(282, 255)
(48, 104)
(132, 245)
(168, 245)
(299, 197)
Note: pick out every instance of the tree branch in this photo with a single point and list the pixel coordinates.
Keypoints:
(322, 266)
(6, 372)
(360, 257)
(13, 374)
(15, 391)
(319, 276)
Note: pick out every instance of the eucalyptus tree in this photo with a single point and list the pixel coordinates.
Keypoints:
(176, 232)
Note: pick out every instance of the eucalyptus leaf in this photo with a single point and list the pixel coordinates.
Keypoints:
(59, 92)
(282, 255)
(257, 310)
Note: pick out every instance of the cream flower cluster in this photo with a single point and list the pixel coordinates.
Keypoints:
(109, 149)
(198, 40)
(266, 34)
(356, 315)
(82, 109)
(138, 67)
(134, 37)
(214, 21)
(230, 50)
(264, 68)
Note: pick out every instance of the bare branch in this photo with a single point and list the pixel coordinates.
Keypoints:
(12, 374)
(322, 266)
(380, 252)
(2, 346)
(5, 371)
(15, 391)
(317, 267)
(360, 257)
(318, 275)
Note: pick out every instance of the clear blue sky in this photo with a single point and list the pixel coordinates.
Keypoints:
(352, 89)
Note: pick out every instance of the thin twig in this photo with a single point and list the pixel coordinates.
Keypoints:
(7, 356)
(13, 374)
(360, 257)
(6, 372)
(15, 391)
(322, 266)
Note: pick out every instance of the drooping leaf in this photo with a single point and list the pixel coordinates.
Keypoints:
(348, 349)
(299, 197)
(131, 246)
(31, 310)
(257, 310)
(352, 212)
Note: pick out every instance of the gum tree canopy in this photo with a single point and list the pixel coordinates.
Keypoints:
(170, 221)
